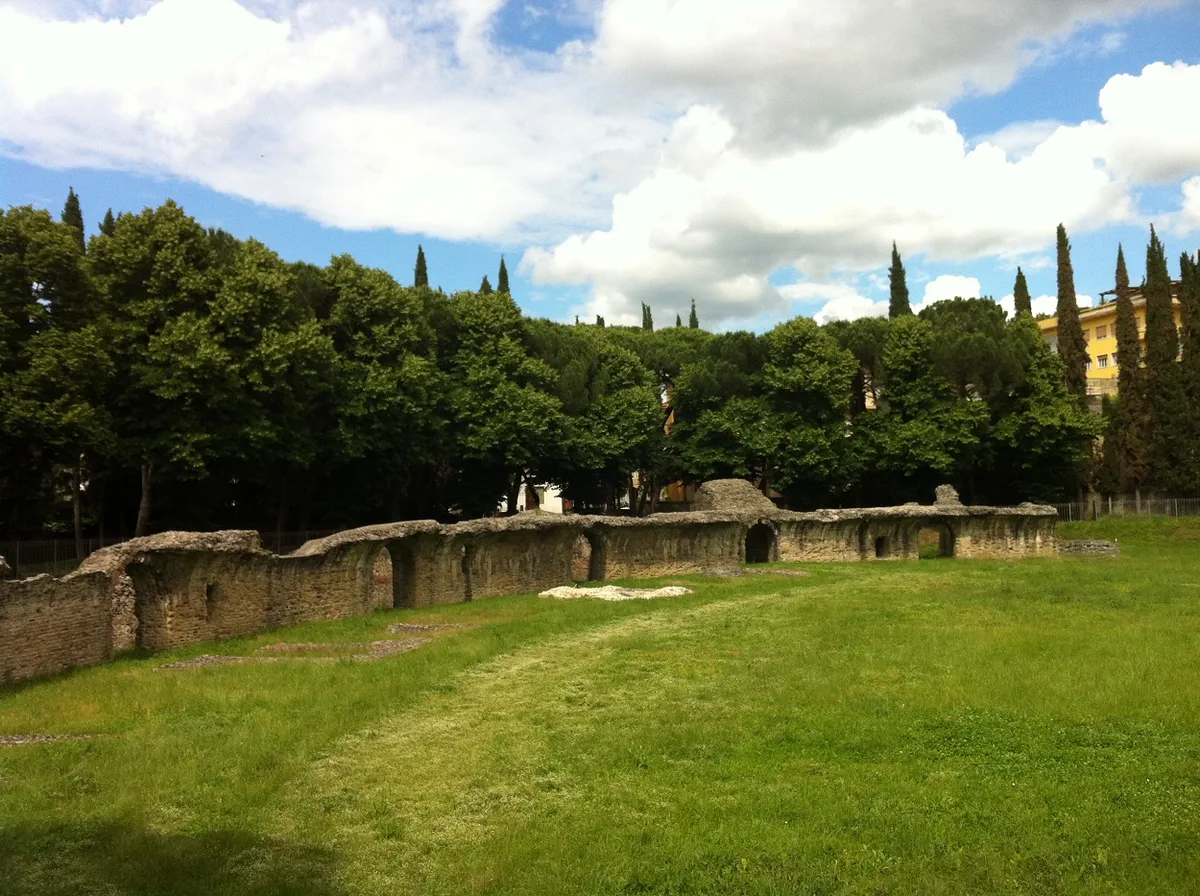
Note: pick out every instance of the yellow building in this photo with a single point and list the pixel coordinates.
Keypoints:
(1099, 325)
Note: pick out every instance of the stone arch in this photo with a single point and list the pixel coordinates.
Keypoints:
(403, 574)
(587, 557)
(932, 532)
(380, 572)
(882, 547)
(761, 544)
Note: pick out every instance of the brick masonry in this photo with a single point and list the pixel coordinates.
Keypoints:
(182, 588)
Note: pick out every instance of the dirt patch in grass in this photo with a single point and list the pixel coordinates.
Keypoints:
(402, 628)
(20, 740)
(312, 652)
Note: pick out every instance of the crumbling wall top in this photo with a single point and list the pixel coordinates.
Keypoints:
(732, 496)
(115, 558)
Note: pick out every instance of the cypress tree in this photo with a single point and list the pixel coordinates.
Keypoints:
(72, 216)
(898, 306)
(1022, 303)
(502, 277)
(1125, 440)
(599, 321)
(1071, 347)
(420, 274)
(109, 225)
(1189, 308)
(1168, 442)
(647, 318)
(678, 321)
(485, 287)
(693, 321)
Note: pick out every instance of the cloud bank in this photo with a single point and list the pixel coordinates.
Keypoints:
(630, 160)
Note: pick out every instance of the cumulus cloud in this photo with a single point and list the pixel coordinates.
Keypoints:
(691, 148)
(841, 301)
(324, 109)
(783, 70)
(949, 286)
(712, 214)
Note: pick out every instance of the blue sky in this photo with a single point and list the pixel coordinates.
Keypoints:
(760, 161)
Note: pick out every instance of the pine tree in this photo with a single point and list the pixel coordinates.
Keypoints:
(420, 274)
(1168, 442)
(1125, 440)
(1022, 303)
(485, 286)
(72, 216)
(898, 306)
(1071, 347)
(502, 277)
(678, 321)
(109, 225)
(693, 321)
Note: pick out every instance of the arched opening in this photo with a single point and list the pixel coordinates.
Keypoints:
(883, 547)
(581, 559)
(212, 596)
(381, 579)
(934, 541)
(402, 575)
(468, 558)
(760, 544)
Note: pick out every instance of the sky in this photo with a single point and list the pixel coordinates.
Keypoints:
(759, 159)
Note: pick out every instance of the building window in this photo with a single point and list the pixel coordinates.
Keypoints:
(1102, 332)
(1102, 361)
(1087, 365)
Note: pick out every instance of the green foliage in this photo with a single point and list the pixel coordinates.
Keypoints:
(1071, 347)
(72, 216)
(485, 286)
(502, 277)
(1022, 301)
(1125, 453)
(420, 272)
(898, 304)
(1171, 454)
(109, 224)
(184, 376)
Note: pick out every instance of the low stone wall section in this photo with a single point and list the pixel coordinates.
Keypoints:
(48, 625)
(182, 588)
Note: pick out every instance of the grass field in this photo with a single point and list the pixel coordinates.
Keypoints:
(933, 727)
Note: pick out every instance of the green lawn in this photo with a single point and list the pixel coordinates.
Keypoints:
(926, 728)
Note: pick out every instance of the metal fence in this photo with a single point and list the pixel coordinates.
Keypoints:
(57, 556)
(1098, 508)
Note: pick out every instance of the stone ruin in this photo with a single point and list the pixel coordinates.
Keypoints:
(182, 588)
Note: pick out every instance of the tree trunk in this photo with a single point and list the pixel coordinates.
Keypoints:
(143, 517)
(514, 491)
(77, 508)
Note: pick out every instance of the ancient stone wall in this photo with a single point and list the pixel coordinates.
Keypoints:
(183, 588)
(48, 624)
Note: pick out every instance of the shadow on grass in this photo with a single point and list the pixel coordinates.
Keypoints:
(61, 859)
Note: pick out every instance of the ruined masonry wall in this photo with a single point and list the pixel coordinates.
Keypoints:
(48, 625)
(180, 588)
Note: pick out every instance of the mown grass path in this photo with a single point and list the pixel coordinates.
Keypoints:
(931, 727)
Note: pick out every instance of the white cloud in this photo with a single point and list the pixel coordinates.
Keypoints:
(949, 286)
(1150, 132)
(693, 148)
(707, 217)
(787, 69)
(1041, 304)
(841, 301)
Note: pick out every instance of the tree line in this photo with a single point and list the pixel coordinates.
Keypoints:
(163, 375)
